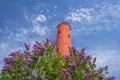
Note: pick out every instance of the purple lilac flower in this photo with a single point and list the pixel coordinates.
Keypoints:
(17, 53)
(29, 60)
(94, 60)
(78, 58)
(73, 65)
(53, 43)
(86, 77)
(34, 57)
(39, 48)
(68, 57)
(47, 41)
(27, 46)
(7, 68)
(42, 49)
(84, 57)
(9, 60)
(87, 69)
(27, 53)
(24, 62)
(64, 70)
(101, 77)
(105, 68)
(112, 78)
(16, 65)
(95, 73)
(74, 51)
(88, 57)
(83, 51)
(65, 73)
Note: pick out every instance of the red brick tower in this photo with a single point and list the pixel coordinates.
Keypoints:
(63, 38)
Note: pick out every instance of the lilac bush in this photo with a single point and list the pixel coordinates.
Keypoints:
(43, 63)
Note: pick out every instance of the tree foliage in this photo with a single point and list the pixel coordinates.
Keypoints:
(43, 63)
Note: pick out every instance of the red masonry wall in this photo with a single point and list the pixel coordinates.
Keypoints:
(63, 38)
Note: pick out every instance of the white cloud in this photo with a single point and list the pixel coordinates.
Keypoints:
(3, 48)
(109, 9)
(40, 18)
(80, 15)
(4, 45)
(22, 34)
(26, 15)
(37, 27)
(40, 30)
(104, 16)
(24, 31)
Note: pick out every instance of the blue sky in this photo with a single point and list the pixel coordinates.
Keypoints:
(95, 26)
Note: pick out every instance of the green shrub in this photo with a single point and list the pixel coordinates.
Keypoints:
(43, 63)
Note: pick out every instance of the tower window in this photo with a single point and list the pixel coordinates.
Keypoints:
(69, 35)
(57, 50)
(59, 32)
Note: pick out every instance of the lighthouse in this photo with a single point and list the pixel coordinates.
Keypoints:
(63, 39)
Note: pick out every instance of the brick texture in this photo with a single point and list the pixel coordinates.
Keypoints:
(63, 38)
